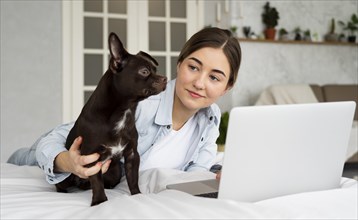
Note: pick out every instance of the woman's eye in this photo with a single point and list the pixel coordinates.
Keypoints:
(194, 68)
(212, 77)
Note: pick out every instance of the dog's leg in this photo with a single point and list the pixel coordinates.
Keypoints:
(131, 166)
(98, 194)
(113, 176)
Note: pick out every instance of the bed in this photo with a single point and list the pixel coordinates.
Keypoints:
(26, 195)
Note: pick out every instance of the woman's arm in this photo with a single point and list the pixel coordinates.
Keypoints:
(204, 157)
(58, 163)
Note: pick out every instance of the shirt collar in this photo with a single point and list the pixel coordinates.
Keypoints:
(164, 114)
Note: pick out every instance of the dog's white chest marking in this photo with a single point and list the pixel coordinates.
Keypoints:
(118, 147)
(122, 122)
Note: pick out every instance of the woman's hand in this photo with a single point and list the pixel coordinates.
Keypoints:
(218, 175)
(73, 162)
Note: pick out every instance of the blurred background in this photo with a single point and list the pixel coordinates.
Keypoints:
(53, 52)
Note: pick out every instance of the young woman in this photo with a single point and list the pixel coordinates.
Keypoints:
(177, 128)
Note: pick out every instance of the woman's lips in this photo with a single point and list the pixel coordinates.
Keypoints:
(194, 94)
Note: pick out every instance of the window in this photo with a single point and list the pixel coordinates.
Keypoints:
(158, 27)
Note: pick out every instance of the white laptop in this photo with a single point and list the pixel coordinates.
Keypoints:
(278, 150)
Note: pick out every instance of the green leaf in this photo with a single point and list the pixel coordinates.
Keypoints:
(224, 122)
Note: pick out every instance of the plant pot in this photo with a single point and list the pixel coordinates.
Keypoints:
(331, 37)
(284, 37)
(298, 37)
(270, 33)
(307, 38)
(352, 39)
(221, 147)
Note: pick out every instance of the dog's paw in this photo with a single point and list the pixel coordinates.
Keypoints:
(135, 191)
(98, 201)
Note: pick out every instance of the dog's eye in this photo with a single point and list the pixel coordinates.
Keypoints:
(144, 72)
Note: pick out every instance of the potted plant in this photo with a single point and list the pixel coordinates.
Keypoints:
(247, 31)
(351, 26)
(283, 34)
(342, 37)
(307, 35)
(224, 122)
(270, 18)
(233, 30)
(332, 36)
(298, 34)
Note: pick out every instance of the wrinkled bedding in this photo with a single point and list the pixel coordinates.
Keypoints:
(26, 195)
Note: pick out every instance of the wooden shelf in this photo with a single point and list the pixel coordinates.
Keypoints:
(297, 42)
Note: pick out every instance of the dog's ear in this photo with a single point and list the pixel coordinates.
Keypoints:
(148, 57)
(118, 53)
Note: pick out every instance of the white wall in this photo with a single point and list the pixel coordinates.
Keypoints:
(264, 64)
(31, 71)
(315, 15)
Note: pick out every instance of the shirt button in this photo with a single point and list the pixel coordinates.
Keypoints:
(49, 170)
(202, 139)
(168, 126)
(211, 118)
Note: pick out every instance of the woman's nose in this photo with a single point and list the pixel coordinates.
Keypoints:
(199, 83)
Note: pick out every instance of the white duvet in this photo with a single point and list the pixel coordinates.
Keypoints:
(26, 195)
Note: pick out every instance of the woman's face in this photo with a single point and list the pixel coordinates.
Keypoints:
(202, 78)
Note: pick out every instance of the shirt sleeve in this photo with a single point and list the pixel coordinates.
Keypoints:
(207, 151)
(48, 148)
(206, 155)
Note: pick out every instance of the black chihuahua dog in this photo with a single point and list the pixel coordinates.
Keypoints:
(107, 123)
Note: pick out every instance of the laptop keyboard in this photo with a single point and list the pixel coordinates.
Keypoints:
(209, 195)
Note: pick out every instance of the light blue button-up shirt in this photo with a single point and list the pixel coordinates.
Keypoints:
(153, 121)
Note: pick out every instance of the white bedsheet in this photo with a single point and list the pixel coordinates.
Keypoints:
(25, 194)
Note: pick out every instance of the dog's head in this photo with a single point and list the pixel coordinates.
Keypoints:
(135, 76)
